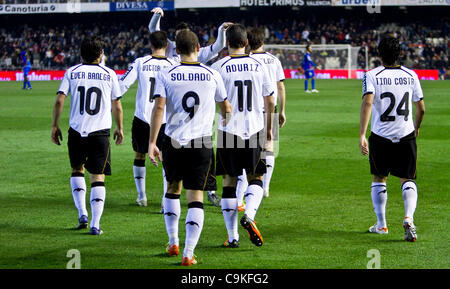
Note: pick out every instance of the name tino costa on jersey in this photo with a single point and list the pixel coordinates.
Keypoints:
(144, 69)
(274, 68)
(92, 88)
(394, 89)
(190, 107)
(247, 83)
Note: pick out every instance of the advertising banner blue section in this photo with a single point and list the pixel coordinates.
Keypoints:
(140, 6)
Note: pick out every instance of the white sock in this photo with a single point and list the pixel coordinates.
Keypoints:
(241, 187)
(172, 210)
(139, 179)
(194, 225)
(78, 185)
(409, 194)
(270, 164)
(230, 215)
(379, 199)
(253, 197)
(98, 193)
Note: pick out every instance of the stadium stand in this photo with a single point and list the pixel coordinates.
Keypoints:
(424, 42)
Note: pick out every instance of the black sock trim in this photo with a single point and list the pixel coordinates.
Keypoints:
(77, 174)
(139, 163)
(195, 205)
(256, 182)
(97, 184)
(229, 193)
(171, 196)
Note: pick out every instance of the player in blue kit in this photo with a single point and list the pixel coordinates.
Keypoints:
(26, 69)
(307, 66)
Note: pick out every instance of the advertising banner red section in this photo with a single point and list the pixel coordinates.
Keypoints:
(423, 74)
(45, 75)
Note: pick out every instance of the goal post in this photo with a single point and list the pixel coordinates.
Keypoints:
(326, 56)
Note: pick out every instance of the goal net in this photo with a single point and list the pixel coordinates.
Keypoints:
(325, 56)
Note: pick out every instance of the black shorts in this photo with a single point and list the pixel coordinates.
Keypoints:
(93, 151)
(398, 159)
(194, 165)
(140, 134)
(235, 154)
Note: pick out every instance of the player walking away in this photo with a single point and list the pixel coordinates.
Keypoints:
(26, 64)
(240, 144)
(189, 92)
(387, 93)
(307, 66)
(276, 74)
(205, 54)
(145, 69)
(94, 92)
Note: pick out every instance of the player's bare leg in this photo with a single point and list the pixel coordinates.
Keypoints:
(229, 204)
(409, 193)
(78, 185)
(97, 201)
(172, 211)
(379, 200)
(194, 225)
(139, 172)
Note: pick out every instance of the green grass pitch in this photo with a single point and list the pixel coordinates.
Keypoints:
(317, 214)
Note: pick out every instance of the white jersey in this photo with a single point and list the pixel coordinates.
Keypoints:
(394, 89)
(204, 55)
(91, 87)
(274, 68)
(144, 69)
(191, 90)
(247, 82)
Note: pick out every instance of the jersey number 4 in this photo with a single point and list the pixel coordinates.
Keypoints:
(402, 108)
(85, 100)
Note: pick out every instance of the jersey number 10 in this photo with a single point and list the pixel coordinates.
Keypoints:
(85, 100)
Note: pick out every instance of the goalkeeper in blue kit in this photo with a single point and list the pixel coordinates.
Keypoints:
(26, 69)
(307, 66)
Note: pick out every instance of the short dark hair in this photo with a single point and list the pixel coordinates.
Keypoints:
(389, 50)
(182, 26)
(186, 42)
(91, 48)
(158, 39)
(236, 36)
(256, 38)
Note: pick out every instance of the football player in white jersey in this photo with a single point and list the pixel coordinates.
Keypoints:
(240, 144)
(94, 93)
(388, 93)
(145, 69)
(205, 54)
(276, 73)
(189, 93)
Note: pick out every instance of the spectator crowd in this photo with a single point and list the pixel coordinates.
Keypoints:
(56, 46)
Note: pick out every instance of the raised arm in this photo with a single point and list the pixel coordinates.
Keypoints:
(154, 21)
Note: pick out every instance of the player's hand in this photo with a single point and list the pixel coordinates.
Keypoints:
(154, 154)
(416, 132)
(158, 10)
(269, 136)
(225, 25)
(56, 135)
(363, 146)
(226, 120)
(118, 136)
(282, 119)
